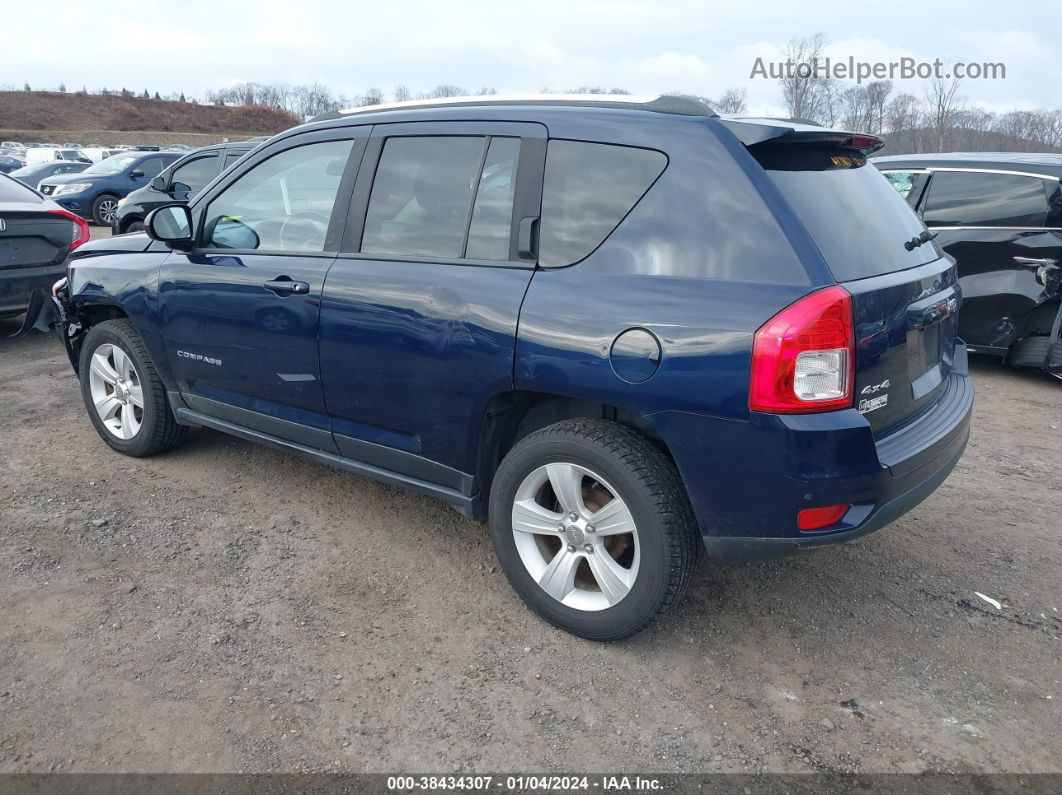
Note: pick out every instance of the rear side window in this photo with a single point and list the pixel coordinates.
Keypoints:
(443, 197)
(961, 198)
(588, 189)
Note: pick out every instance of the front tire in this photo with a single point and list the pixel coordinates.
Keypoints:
(122, 391)
(593, 527)
(105, 210)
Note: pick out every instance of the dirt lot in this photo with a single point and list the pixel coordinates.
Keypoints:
(226, 607)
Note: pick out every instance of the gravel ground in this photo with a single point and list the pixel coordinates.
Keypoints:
(225, 607)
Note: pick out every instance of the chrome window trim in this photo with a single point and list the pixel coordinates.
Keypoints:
(931, 169)
(999, 228)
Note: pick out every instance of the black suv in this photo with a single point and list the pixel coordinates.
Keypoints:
(178, 183)
(1000, 216)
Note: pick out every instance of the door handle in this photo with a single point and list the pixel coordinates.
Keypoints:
(1034, 262)
(526, 243)
(283, 285)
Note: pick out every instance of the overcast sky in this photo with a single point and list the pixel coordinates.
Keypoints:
(645, 47)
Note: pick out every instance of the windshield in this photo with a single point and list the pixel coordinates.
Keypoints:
(856, 218)
(112, 165)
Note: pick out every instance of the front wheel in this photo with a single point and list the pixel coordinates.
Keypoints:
(593, 528)
(124, 396)
(105, 210)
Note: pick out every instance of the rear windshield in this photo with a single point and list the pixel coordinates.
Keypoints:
(13, 191)
(856, 218)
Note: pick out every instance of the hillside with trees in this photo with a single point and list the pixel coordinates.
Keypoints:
(126, 111)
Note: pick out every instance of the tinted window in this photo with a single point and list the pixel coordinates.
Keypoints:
(492, 212)
(856, 219)
(282, 204)
(1054, 213)
(151, 167)
(421, 196)
(587, 191)
(195, 174)
(13, 191)
(958, 198)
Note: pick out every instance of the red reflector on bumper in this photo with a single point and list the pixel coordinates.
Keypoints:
(817, 518)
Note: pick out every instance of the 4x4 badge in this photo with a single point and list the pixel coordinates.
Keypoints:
(870, 390)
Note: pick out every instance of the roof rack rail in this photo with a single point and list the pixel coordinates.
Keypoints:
(665, 103)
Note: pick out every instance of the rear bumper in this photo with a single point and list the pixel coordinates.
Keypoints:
(16, 285)
(748, 480)
(735, 549)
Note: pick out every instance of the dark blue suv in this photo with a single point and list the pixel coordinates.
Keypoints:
(619, 330)
(95, 193)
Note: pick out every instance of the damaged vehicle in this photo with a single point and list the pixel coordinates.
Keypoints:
(1000, 216)
(608, 325)
(36, 236)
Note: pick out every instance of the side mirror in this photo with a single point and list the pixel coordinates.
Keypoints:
(136, 173)
(171, 225)
(159, 184)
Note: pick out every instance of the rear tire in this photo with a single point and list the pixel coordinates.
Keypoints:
(565, 550)
(123, 394)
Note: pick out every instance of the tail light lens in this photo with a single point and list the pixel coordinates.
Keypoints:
(81, 227)
(803, 358)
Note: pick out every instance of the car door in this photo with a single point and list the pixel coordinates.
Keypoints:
(995, 225)
(191, 176)
(418, 319)
(240, 311)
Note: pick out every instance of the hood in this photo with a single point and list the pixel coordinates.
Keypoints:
(66, 179)
(118, 244)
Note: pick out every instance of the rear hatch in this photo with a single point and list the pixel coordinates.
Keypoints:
(905, 295)
(30, 235)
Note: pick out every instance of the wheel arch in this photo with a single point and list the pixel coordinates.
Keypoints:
(510, 416)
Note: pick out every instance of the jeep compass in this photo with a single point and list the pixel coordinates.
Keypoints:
(621, 330)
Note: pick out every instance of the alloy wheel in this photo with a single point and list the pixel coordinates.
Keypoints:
(116, 391)
(575, 536)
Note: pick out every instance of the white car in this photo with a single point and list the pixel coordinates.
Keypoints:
(50, 153)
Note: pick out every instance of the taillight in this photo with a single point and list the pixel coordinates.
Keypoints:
(81, 227)
(803, 358)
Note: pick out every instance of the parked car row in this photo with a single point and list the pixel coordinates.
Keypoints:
(105, 178)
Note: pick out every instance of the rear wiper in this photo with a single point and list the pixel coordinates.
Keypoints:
(919, 240)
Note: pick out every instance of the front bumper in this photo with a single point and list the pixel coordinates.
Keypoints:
(747, 481)
(18, 284)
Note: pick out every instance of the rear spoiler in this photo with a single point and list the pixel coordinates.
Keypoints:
(785, 131)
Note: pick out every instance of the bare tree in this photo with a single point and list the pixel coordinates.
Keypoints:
(373, 96)
(401, 94)
(808, 95)
(732, 101)
(942, 96)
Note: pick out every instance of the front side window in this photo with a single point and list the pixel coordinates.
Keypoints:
(587, 190)
(194, 175)
(967, 198)
(282, 204)
(902, 181)
(421, 196)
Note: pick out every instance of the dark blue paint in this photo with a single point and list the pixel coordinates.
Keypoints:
(403, 358)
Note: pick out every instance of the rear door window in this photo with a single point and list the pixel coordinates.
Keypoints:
(968, 198)
(431, 192)
(587, 190)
